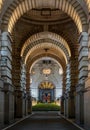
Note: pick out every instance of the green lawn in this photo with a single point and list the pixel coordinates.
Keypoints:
(46, 107)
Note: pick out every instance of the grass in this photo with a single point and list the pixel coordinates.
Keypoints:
(46, 107)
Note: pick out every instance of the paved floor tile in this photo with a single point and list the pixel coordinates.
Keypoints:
(44, 121)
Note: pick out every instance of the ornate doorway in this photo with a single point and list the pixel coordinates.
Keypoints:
(46, 92)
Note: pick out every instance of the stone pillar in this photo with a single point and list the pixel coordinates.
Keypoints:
(21, 95)
(87, 89)
(6, 68)
(65, 105)
(28, 80)
(20, 104)
(69, 94)
(29, 99)
(68, 83)
(63, 92)
(1, 103)
(83, 71)
(68, 77)
(23, 77)
(8, 103)
(23, 86)
(62, 105)
(74, 81)
(70, 105)
(6, 58)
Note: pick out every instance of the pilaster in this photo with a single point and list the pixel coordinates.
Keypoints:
(6, 58)
(87, 87)
(28, 82)
(69, 105)
(8, 103)
(68, 77)
(83, 72)
(83, 57)
(62, 105)
(29, 100)
(20, 93)
(20, 103)
(69, 101)
(68, 89)
(1, 103)
(74, 73)
(23, 77)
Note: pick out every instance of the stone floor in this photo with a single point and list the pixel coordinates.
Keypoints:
(44, 121)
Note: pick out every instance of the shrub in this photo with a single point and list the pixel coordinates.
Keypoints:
(46, 107)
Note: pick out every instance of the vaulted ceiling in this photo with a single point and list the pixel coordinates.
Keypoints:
(25, 18)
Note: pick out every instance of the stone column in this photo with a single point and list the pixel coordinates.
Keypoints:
(6, 58)
(28, 81)
(69, 93)
(29, 99)
(20, 104)
(21, 95)
(6, 68)
(1, 103)
(68, 78)
(87, 89)
(8, 103)
(62, 105)
(83, 71)
(70, 105)
(23, 86)
(65, 105)
(68, 84)
(63, 91)
(74, 81)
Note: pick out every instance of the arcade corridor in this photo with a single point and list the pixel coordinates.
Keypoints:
(44, 121)
(45, 58)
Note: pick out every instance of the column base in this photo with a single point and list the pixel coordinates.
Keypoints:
(80, 104)
(69, 108)
(1, 104)
(20, 104)
(87, 104)
(29, 100)
(9, 103)
(62, 105)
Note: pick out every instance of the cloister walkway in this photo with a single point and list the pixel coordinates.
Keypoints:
(44, 121)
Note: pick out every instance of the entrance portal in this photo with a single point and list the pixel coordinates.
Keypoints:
(46, 92)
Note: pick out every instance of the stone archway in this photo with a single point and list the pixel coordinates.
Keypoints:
(26, 6)
(64, 47)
